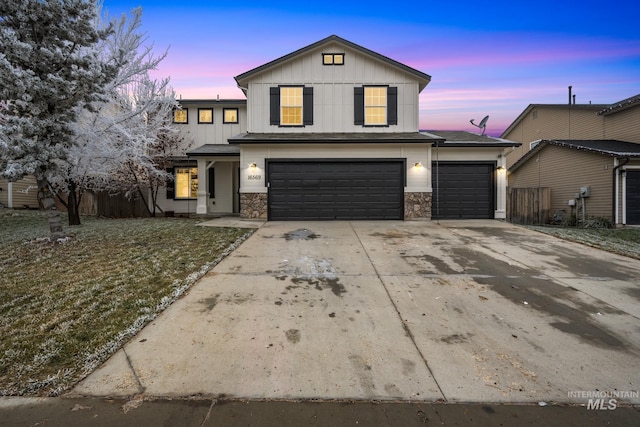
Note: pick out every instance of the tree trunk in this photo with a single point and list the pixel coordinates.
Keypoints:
(49, 205)
(73, 205)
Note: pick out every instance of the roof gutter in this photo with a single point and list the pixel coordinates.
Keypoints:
(616, 168)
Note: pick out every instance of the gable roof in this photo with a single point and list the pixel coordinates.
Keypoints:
(423, 78)
(596, 108)
(607, 147)
(620, 105)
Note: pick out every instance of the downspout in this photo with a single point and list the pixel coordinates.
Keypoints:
(615, 189)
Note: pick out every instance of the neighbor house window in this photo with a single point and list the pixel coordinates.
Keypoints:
(205, 115)
(230, 115)
(181, 116)
(333, 58)
(375, 105)
(291, 106)
(186, 183)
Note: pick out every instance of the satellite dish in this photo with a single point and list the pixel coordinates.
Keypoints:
(482, 125)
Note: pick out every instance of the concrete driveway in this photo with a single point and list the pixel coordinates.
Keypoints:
(468, 311)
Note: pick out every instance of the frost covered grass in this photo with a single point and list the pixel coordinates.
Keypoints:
(622, 241)
(66, 307)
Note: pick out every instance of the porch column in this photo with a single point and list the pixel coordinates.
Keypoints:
(203, 191)
(501, 190)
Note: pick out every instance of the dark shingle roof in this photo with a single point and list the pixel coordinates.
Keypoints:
(328, 138)
(620, 105)
(455, 138)
(215, 150)
(607, 147)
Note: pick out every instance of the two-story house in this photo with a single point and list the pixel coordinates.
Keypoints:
(330, 131)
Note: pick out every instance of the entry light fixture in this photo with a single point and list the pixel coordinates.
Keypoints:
(500, 168)
(418, 164)
(252, 165)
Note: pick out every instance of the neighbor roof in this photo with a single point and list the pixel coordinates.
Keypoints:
(422, 77)
(328, 138)
(607, 147)
(456, 138)
(620, 105)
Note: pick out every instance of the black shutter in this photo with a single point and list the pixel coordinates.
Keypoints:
(274, 102)
(392, 106)
(171, 184)
(212, 183)
(358, 105)
(307, 105)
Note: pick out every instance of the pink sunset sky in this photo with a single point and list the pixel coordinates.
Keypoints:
(491, 60)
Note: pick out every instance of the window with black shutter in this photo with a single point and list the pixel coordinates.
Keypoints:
(291, 106)
(375, 105)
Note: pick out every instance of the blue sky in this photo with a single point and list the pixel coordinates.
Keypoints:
(491, 58)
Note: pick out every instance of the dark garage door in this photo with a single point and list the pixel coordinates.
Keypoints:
(463, 190)
(633, 197)
(325, 190)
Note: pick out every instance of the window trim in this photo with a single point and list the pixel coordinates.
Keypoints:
(186, 116)
(359, 106)
(200, 122)
(224, 116)
(333, 56)
(307, 106)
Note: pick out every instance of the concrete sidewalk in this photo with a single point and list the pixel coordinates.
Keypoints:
(473, 311)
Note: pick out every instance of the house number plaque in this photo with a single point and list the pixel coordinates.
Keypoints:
(255, 177)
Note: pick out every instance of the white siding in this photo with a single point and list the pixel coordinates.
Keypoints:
(199, 134)
(333, 92)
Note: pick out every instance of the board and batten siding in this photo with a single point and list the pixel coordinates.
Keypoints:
(550, 167)
(333, 92)
(198, 134)
(555, 122)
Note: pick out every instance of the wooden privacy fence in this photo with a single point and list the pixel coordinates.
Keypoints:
(529, 206)
(112, 206)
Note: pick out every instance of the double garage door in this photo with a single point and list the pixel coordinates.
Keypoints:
(463, 190)
(374, 190)
(336, 190)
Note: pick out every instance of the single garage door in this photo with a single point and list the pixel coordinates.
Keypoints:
(463, 190)
(327, 190)
(633, 197)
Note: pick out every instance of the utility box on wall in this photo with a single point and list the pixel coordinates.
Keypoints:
(585, 191)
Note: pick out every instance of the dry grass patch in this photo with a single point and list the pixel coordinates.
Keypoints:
(621, 241)
(64, 308)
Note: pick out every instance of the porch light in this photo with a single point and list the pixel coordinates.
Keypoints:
(252, 165)
(418, 164)
(500, 169)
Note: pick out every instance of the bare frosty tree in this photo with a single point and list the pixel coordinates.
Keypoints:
(119, 143)
(49, 70)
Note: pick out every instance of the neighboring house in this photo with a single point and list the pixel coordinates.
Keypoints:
(19, 194)
(567, 147)
(330, 131)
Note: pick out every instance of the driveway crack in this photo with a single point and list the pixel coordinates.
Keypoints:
(141, 388)
(405, 327)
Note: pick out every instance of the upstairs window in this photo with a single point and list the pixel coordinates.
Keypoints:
(291, 106)
(333, 58)
(230, 115)
(375, 106)
(181, 116)
(205, 115)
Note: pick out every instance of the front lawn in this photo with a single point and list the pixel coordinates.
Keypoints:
(622, 241)
(66, 307)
